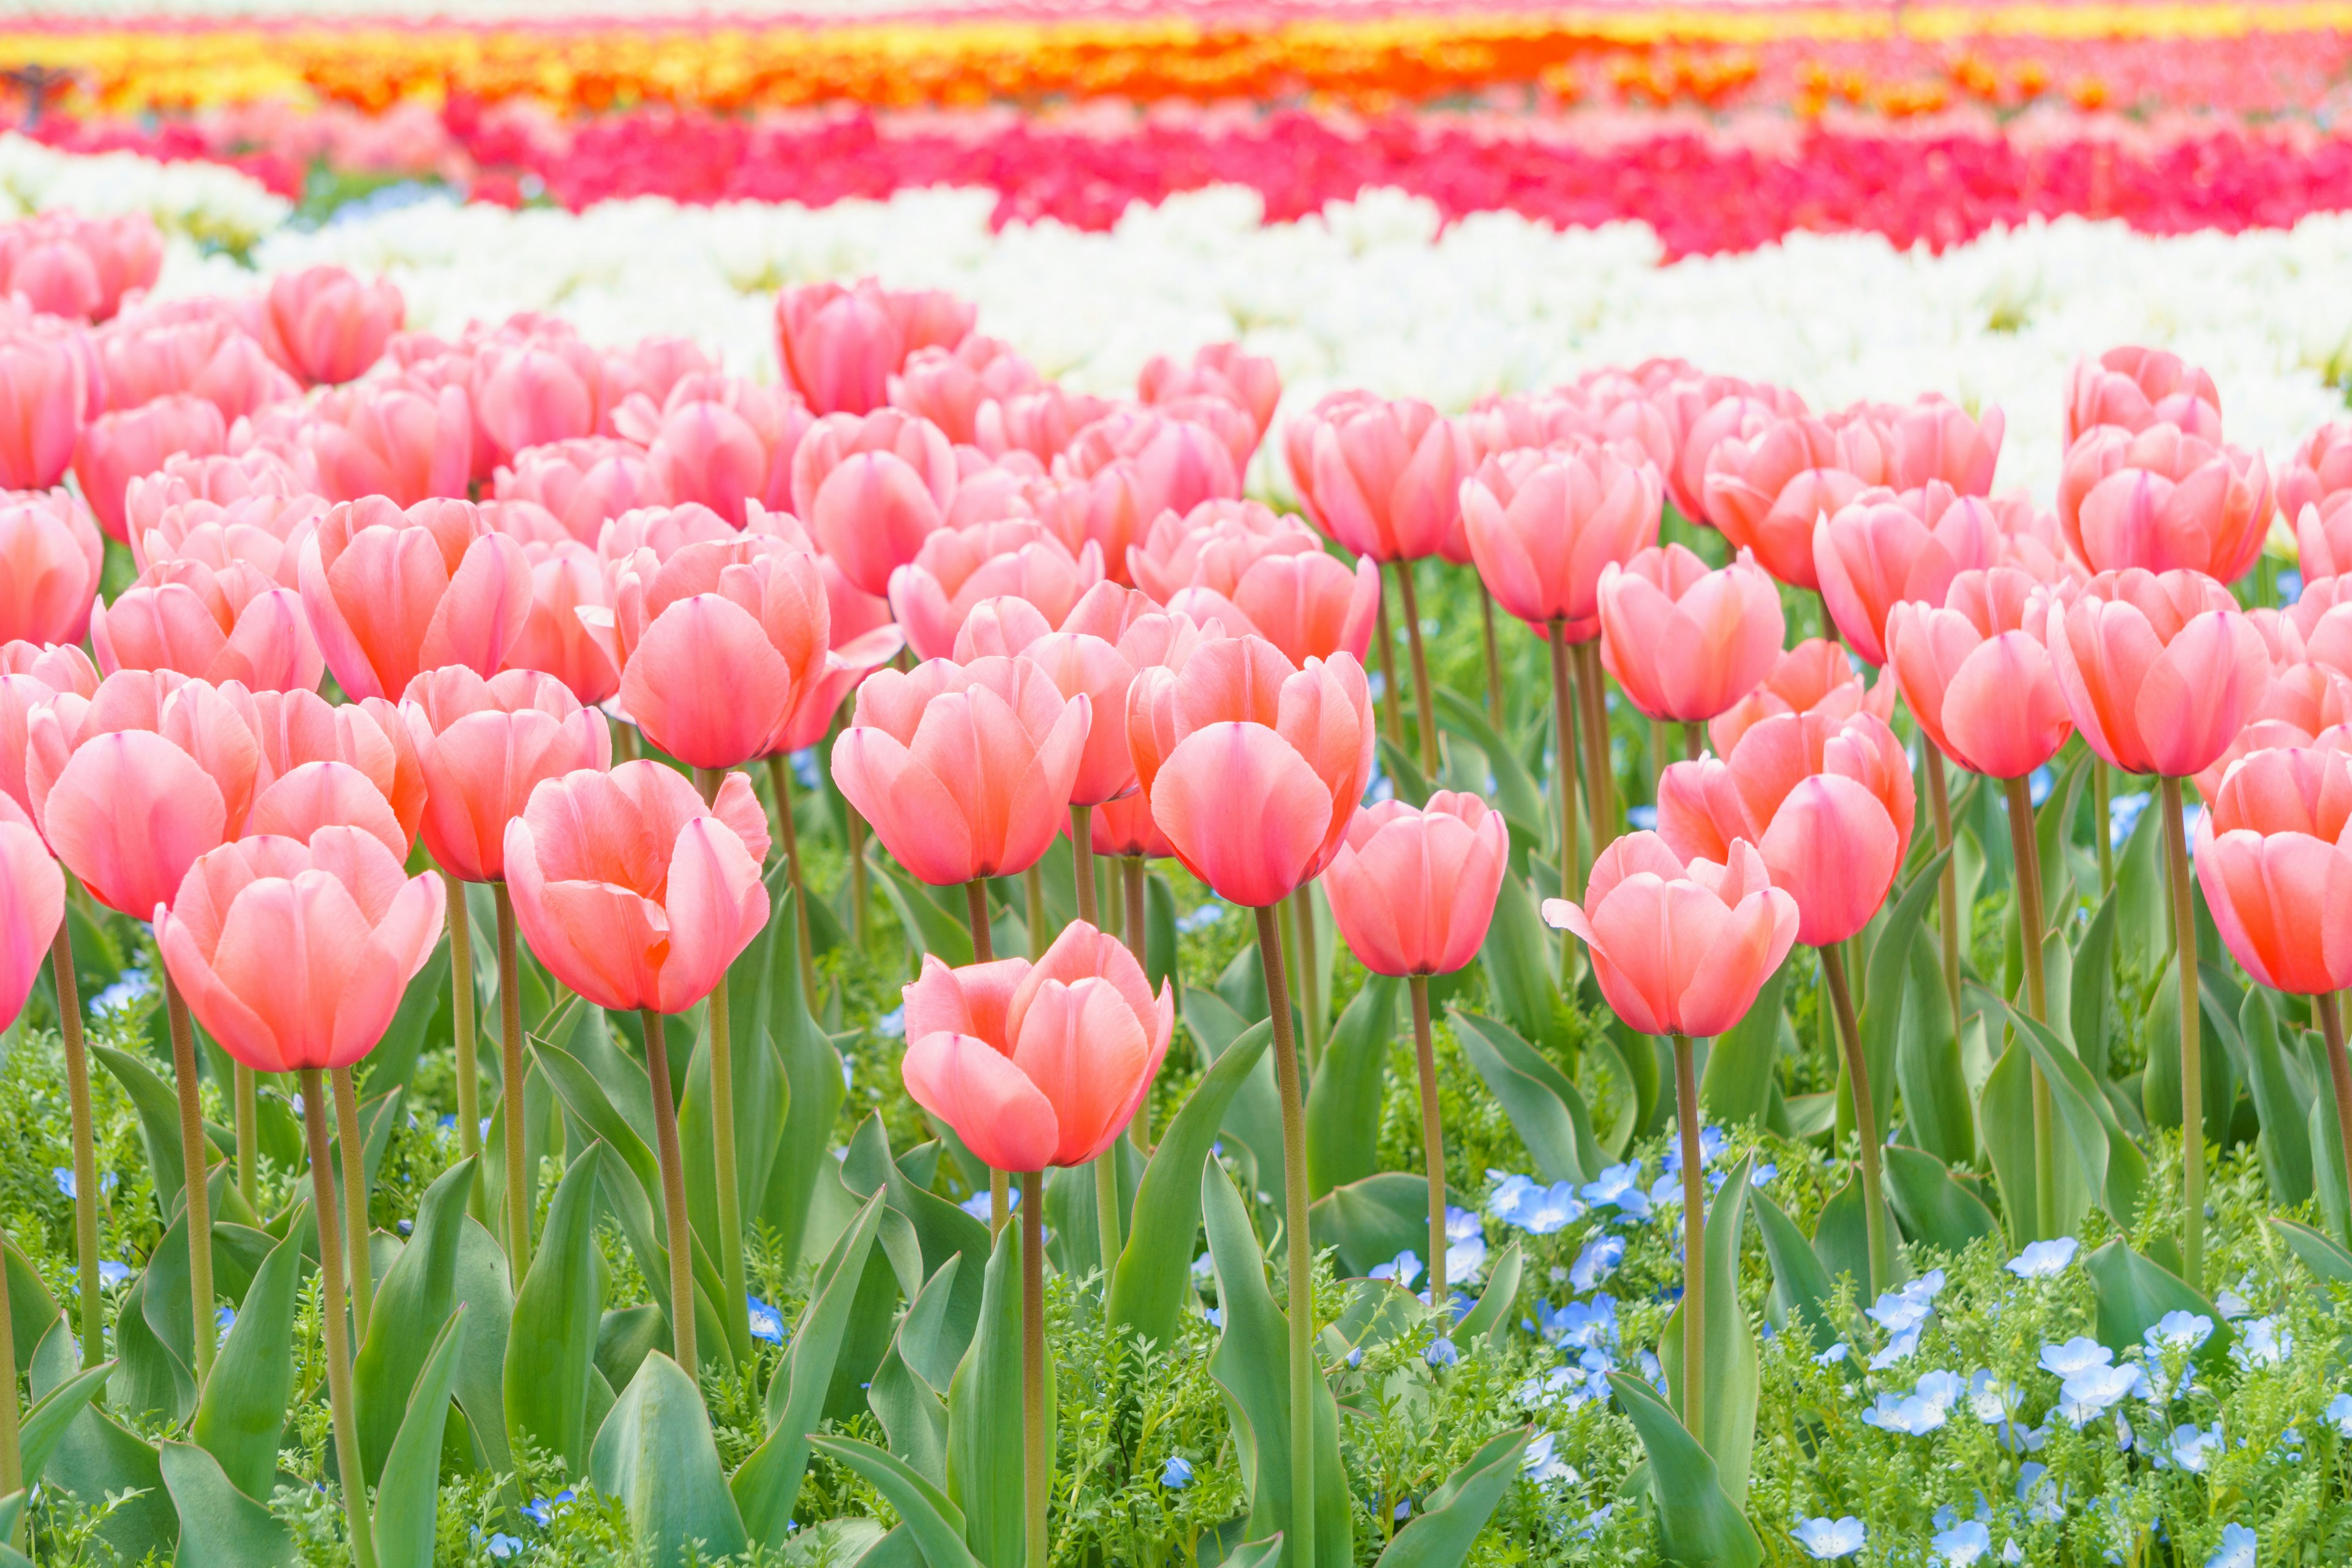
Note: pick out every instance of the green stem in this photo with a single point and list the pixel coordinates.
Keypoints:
(461, 1015)
(1693, 740)
(339, 1358)
(355, 1198)
(1082, 859)
(1310, 999)
(2192, 1066)
(1599, 777)
(779, 784)
(735, 1310)
(520, 1187)
(1563, 771)
(975, 892)
(1035, 1464)
(193, 1174)
(1423, 706)
(247, 1114)
(1390, 704)
(1106, 1217)
(855, 828)
(673, 1182)
(2102, 794)
(2025, 850)
(1301, 1256)
(1948, 892)
(2339, 1078)
(1130, 872)
(1865, 1119)
(85, 1147)
(1433, 1146)
(12, 1456)
(1032, 896)
(1693, 1235)
(1494, 658)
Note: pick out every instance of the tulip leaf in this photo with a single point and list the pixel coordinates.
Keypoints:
(552, 1345)
(930, 927)
(1502, 1288)
(1242, 987)
(583, 1093)
(242, 1413)
(913, 1417)
(31, 1309)
(2114, 1167)
(1216, 1023)
(1885, 979)
(1371, 1221)
(2283, 1104)
(1842, 1236)
(404, 1504)
(812, 1094)
(2160, 1084)
(220, 1527)
(2134, 1292)
(1343, 1102)
(2005, 1122)
(1697, 1524)
(2320, 1253)
(417, 1296)
(1406, 781)
(1544, 1107)
(1159, 952)
(931, 1339)
(1073, 1232)
(1252, 1364)
(1253, 1110)
(1728, 1398)
(930, 1516)
(1449, 1520)
(542, 1129)
(943, 1232)
(1155, 1269)
(984, 1429)
(1522, 964)
(1516, 792)
(159, 1123)
(1267, 1553)
(94, 1458)
(766, 1484)
(1928, 1068)
(46, 1423)
(1738, 1086)
(2091, 1007)
(2327, 1168)
(1931, 1205)
(1798, 1280)
(636, 1215)
(656, 1454)
(427, 996)
(481, 1289)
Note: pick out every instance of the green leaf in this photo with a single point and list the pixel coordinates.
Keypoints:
(2005, 1122)
(2134, 1293)
(1371, 1221)
(1252, 1364)
(1728, 1403)
(1544, 1107)
(46, 1423)
(813, 1096)
(159, 1121)
(1343, 1102)
(1405, 778)
(1928, 1068)
(552, 1345)
(2282, 1103)
(1522, 964)
(242, 1414)
(412, 1472)
(1887, 977)
(2093, 1004)
(1073, 1232)
(2112, 1163)
(1738, 1086)
(395, 1057)
(415, 1299)
(1242, 987)
(1697, 1525)
(481, 1290)
(1798, 1280)
(1264, 1553)
(930, 1516)
(943, 1233)
(1442, 1533)
(1502, 1286)
(1516, 795)
(2327, 1167)
(912, 1416)
(1933, 1207)
(1155, 1270)
(2322, 1254)
(636, 1216)
(1159, 932)
(96, 1459)
(220, 1527)
(984, 1429)
(1842, 1237)
(768, 1483)
(930, 1340)
(656, 1454)
(2160, 1084)
(929, 928)
(31, 1309)
(582, 1094)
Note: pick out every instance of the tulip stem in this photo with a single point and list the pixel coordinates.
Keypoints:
(1948, 892)
(1082, 856)
(1139, 942)
(192, 1174)
(1563, 772)
(2025, 850)
(2339, 1077)
(1433, 1144)
(624, 741)
(1301, 1255)
(85, 1147)
(461, 1013)
(1693, 740)
(510, 1072)
(12, 1455)
(735, 1310)
(339, 1360)
(1391, 715)
(1866, 1118)
(779, 784)
(1310, 1011)
(1423, 705)
(673, 1181)
(854, 826)
(1493, 659)
(1033, 892)
(1693, 1235)
(2101, 795)
(1287, 916)
(247, 1111)
(355, 1198)
(1600, 774)
(1107, 1216)
(1035, 1471)
(975, 892)
(2192, 1066)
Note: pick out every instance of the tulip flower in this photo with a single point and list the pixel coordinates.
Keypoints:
(1817, 676)
(1681, 948)
(264, 530)
(231, 625)
(392, 592)
(1211, 545)
(50, 559)
(2164, 500)
(948, 385)
(1883, 548)
(1413, 892)
(565, 580)
(68, 265)
(872, 490)
(2303, 700)
(295, 956)
(1766, 491)
(586, 483)
(407, 443)
(32, 908)
(44, 387)
(841, 345)
(1249, 381)
(119, 447)
(715, 644)
(325, 325)
(955, 569)
(1166, 463)
(2133, 388)
(1041, 423)
(1938, 442)
(1687, 643)
(193, 347)
(297, 727)
(1708, 411)
(637, 895)
(1977, 676)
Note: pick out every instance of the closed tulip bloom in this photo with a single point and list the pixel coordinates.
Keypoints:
(326, 326)
(1249, 381)
(565, 580)
(1685, 642)
(391, 593)
(1102, 671)
(1827, 802)
(265, 532)
(547, 388)
(32, 906)
(1977, 676)
(2323, 538)
(1938, 442)
(231, 625)
(296, 728)
(947, 386)
(61, 667)
(963, 770)
(1706, 412)
(402, 442)
(1382, 478)
(2165, 500)
(1082, 1037)
(1883, 548)
(1041, 423)
(1544, 524)
(483, 746)
(44, 387)
(1817, 676)
(50, 560)
(1680, 947)
(716, 644)
(202, 351)
(119, 447)
(631, 891)
(68, 265)
(1171, 463)
(955, 569)
(2277, 873)
(2303, 701)
(1211, 545)
(295, 955)
(2319, 472)
(871, 490)
(1766, 491)
(31, 677)
(841, 345)
(1125, 827)
(1253, 766)
(2134, 388)
(1309, 606)
(1414, 891)
(585, 483)
(2160, 673)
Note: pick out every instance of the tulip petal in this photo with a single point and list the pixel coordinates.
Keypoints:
(1002, 1118)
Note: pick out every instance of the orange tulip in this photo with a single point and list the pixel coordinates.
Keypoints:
(1687, 643)
(482, 747)
(1413, 891)
(1977, 676)
(2160, 673)
(391, 593)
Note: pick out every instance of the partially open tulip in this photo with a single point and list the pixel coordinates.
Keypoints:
(2164, 500)
(2134, 388)
(565, 580)
(1544, 523)
(266, 532)
(207, 355)
(1766, 491)
(50, 559)
(325, 325)
(2160, 673)
(1253, 766)
(2277, 873)
(31, 677)
(948, 385)
(631, 891)
(1413, 891)
(296, 728)
(44, 386)
(1041, 423)
(68, 265)
(841, 345)
(1211, 545)
(1706, 411)
(2323, 538)
(1817, 676)
(2317, 474)
(1308, 604)
(955, 569)
(235, 624)
(729, 443)
(585, 483)
(390, 440)
(717, 643)
(1685, 642)
(1101, 670)
(2303, 701)
(549, 388)
(1977, 676)
(32, 906)
(391, 593)
(872, 490)
(1057, 1056)
(295, 955)
(1938, 442)
(1382, 478)
(1883, 548)
(963, 770)
(120, 447)
(1166, 463)
(1827, 801)
(483, 746)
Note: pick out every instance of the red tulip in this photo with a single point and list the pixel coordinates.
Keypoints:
(391, 593)
(2160, 673)
(2133, 388)
(483, 746)
(1881, 548)
(2164, 500)
(1817, 676)
(1414, 891)
(2277, 873)
(1977, 676)
(1544, 524)
(1687, 643)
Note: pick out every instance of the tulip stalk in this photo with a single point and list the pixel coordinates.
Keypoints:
(1693, 740)
(1599, 780)
(461, 1015)
(1033, 892)
(1432, 1140)
(2339, 1078)
(1130, 871)
(1392, 721)
(1000, 1191)
(355, 1201)
(1300, 1253)
(1494, 658)
(12, 1455)
(780, 785)
(1082, 836)
(735, 1310)
(1423, 704)
(193, 1171)
(510, 1071)
(1310, 1010)
(1563, 772)
(1695, 1233)
(2102, 798)
(1948, 890)
(1036, 1462)
(2026, 851)
(247, 1114)
(853, 826)
(85, 1150)
(673, 1182)
(2192, 1066)
(338, 1360)
(1865, 1121)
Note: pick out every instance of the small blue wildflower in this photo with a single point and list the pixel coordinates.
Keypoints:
(1827, 1539)
(1176, 1474)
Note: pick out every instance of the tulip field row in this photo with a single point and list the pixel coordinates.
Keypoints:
(732, 883)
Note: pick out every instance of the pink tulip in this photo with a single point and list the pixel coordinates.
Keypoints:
(1766, 491)
(1881, 548)
(585, 483)
(231, 625)
(483, 746)
(1977, 676)
(44, 386)
(2134, 388)
(1041, 423)
(1128, 467)
(957, 568)
(2302, 703)
(1384, 478)
(1082, 664)
(220, 481)
(1680, 947)
(391, 593)
(294, 955)
(2160, 673)
(50, 559)
(68, 265)
(948, 385)
(841, 345)
(299, 729)
(1708, 411)
(1413, 891)
(725, 442)
(1544, 524)
(1938, 442)
(2271, 855)
(546, 388)
(2323, 538)
(1309, 606)
(1687, 643)
(872, 490)
(719, 641)
(1248, 382)
(1817, 676)
(121, 447)
(31, 677)
(1211, 545)
(406, 443)
(565, 579)
(325, 326)
(2164, 500)
(208, 357)
(32, 906)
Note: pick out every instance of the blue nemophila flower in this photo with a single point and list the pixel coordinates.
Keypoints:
(766, 1323)
(1834, 1354)
(1544, 1467)
(1539, 1211)
(1827, 1539)
(803, 763)
(2094, 1391)
(1208, 914)
(1442, 1351)
(2233, 1306)
(2236, 1551)
(1963, 1543)
(1620, 1186)
(1599, 1260)
(1642, 818)
(976, 1205)
(1215, 1316)
(1761, 1176)
(2044, 1259)
(2123, 815)
(892, 1025)
(2044, 1500)
(2193, 1447)
(540, 1510)
(107, 1182)
(1466, 1259)
(1404, 1269)
(2080, 1354)
(110, 1273)
(2179, 1332)
(2262, 1343)
(2339, 1410)
(1177, 1473)
(1585, 1325)
(1710, 1149)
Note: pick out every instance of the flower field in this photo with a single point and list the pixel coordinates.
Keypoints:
(1262, 785)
